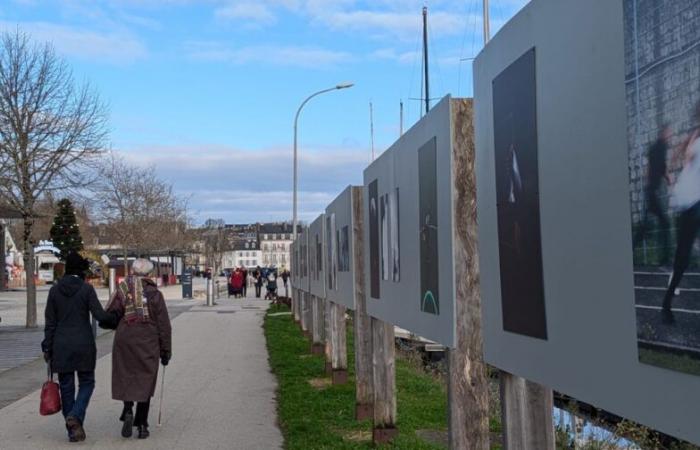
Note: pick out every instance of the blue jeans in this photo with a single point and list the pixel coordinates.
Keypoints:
(71, 404)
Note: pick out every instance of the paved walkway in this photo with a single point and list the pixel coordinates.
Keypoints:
(220, 393)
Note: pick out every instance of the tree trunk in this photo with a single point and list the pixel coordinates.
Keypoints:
(3, 274)
(29, 272)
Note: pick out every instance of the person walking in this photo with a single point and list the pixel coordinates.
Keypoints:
(69, 345)
(142, 338)
(258, 276)
(285, 279)
(245, 281)
(656, 176)
(685, 199)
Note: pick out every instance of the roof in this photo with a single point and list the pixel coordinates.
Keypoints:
(7, 212)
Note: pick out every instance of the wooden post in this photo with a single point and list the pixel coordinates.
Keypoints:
(467, 387)
(384, 380)
(327, 343)
(526, 414)
(364, 391)
(338, 343)
(304, 312)
(296, 305)
(317, 324)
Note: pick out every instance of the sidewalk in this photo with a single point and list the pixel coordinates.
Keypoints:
(220, 393)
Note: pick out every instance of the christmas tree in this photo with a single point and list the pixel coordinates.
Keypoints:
(65, 233)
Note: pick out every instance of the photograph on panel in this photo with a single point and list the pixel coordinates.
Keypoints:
(373, 199)
(384, 235)
(517, 194)
(319, 257)
(394, 233)
(330, 252)
(662, 83)
(344, 262)
(428, 226)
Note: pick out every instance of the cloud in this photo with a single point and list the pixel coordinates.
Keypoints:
(252, 185)
(112, 47)
(296, 56)
(252, 11)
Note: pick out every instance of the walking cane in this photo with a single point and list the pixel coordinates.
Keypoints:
(162, 389)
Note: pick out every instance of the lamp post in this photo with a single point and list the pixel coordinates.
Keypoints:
(296, 120)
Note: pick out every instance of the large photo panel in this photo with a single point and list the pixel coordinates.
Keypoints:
(339, 215)
(408, 229)
(663, 127)
(608, 77)
(517, 191)
(317, 255)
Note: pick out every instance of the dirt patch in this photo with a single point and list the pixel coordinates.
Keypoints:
(320, 383)
(435, 437)
(357, 436)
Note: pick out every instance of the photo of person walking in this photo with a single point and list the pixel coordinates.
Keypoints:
(663, 139)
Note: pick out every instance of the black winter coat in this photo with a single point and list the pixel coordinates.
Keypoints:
(68, 334)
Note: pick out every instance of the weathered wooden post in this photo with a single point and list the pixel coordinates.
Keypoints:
(526, 414)
(304, 312)
(384, 382)
(338, 343)
(364, 390)
(317, 326)
(467, 380)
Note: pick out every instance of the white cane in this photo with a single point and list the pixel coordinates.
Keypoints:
(162, 390)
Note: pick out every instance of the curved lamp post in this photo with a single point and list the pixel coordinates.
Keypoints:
(296, 119)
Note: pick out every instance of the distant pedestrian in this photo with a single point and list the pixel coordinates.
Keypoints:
(271, 285)
(258, 276)
(285, 279)
(245, 281)
(69, 345)
(142, 338)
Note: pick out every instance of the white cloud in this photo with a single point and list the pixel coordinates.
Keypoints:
(253, 11)
(253, 185)
(296, 56)
(112, 47)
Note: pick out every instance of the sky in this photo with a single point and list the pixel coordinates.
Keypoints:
(206, 90)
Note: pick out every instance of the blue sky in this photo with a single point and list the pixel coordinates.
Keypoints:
(207, 89)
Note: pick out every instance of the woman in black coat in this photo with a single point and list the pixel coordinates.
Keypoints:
(69, 345)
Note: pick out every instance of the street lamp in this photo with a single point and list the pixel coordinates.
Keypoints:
(296, 119)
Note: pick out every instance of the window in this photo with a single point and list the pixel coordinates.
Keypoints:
(255, 262)
(265, 247)
(247, 244)
(264, 237)
(240, 254)
(274, 236)
(247, 254)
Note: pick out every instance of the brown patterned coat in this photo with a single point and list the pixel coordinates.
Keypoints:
(138, 347)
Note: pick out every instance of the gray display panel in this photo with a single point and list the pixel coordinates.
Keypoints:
(301, 245)
(584, 200)
(408, 230)
(339, 216)
(317, 256)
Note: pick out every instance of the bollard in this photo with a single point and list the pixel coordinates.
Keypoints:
(210, 293)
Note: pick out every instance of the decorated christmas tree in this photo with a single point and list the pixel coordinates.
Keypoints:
(65, 233)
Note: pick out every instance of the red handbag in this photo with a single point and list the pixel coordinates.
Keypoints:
(50, 396)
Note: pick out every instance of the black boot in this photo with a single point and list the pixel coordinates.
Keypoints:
(143, 432)
(128, 427)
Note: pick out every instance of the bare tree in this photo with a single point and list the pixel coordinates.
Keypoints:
(141, 211)
(216, 243)
(51, 130)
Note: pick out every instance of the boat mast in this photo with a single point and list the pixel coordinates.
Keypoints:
(487, 30)
(425, 58)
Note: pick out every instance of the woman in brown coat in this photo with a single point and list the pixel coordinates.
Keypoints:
(143, 337)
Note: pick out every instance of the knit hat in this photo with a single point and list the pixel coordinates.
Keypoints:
(142, 267)
(76, 264)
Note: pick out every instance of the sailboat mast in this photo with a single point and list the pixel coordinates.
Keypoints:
(371, 127)
(487, 28)
(425, 58)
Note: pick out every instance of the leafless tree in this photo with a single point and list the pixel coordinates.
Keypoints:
(141, 211)
(51, 130)
(216, 243)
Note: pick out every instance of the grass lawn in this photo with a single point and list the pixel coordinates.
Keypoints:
(669, 360)
(323, 418)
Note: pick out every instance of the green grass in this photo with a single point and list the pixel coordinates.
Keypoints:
(671, 361)
(323, 419)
